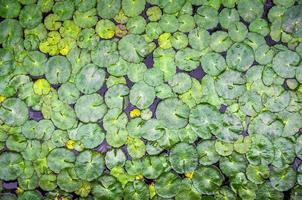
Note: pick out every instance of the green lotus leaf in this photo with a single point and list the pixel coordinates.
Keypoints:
(32, 150)
(136, 25)
(27, 195)
(136, 71)
(183, 158)
(105, 54)
(114, 120)
(238, 31)
(90, 108)
(59, 159)
(207, 180)
(154, 166)
(44, 129)
(230, 84)
(152, 130)
(259, 26)
(213, 63)
(132, 48)
(267, 191)
(266, 123)
(136, 148)
(207, 17)
(48, 182)
(285, 63)
(90, 135)
(224, 148)
(9, 9)
(199, 39)
(136, 191)
(62, 115)
(240, 57)
(108, 9)
(115, 96)
(261, 150)
(135, 127)
(284, 152)
(68, 93)
(30, 16)
(292, 21)
(180, 83)
(6, 64)
(89, 165)
(16, 142)
(10, 31)
(64, 9)
(231, 129)
(228, 16)
(133, 7)
(249, 10)
(29, 129)
(206, 152)
(154, 77)
(115, 157)
(167, 185)
(13, 112)
(173, 113)
(29, 183)
(164, 60)
(35, 63)
(90, 79)
(142, 95)
(68, 181)
(233, 164)
(57, 70)
(105, 29)
(225, 193)
(205, 119)
(283, 179)
(134, 168)
(220, 41)
(168, 23)
(250, 103)
(59, 138)
(118, 69)
(108, 188)
(11, 166)
(257, 174)
(187, 59)
(242, 144)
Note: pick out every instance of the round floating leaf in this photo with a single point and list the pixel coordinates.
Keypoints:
(105, 53)
(108, 188)
(206, 152)
(207, 180)
(292, 21)
(206, 119)
(142, 95)
(230, 84)
(136, 190)
(183, 158)
(173, 113)
(89, 165)
(63, 116)
(90, 135)
(132, 48)
(58, 70)
(11, 164)
(115, 96)
(240, 57)
(285, 63)
(108, 9)
(213, 63)
(13, 112)
(90, 79)
(68, 181)
(90, 108)
(59, 159)
(233, 164)
(115, 157)
(68, 93)
(152, 130)
(261, 150)
(283, 179)
(257, 174)
(180, 83)
(167, 185)
(133, 7)
(30, 16)
(136, 148)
